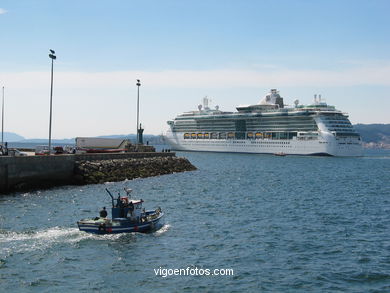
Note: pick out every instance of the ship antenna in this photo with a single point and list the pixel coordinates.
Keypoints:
(205, 102)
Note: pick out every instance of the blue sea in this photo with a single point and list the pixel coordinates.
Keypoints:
(263, 223)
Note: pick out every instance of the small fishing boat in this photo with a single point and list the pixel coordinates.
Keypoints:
(127, 216)
(280, 154)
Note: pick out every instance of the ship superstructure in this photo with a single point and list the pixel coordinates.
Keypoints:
(266, 127)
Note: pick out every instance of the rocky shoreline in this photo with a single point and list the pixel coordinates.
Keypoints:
(92, 172)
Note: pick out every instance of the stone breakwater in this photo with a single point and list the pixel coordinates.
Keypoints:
(90, 172)
(37, 172)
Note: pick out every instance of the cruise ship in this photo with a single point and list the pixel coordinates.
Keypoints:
(269, 127)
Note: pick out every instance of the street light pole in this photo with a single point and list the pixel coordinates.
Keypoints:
(138, 85)
(52, 57)
(2, 121)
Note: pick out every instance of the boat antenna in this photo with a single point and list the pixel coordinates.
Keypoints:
(112, 198)
(127, 190)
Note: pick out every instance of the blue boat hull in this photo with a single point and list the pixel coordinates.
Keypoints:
(120, 225)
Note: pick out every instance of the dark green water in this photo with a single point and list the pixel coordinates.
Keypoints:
(283, 224)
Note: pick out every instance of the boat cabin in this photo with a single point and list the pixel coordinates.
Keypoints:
(127, 208)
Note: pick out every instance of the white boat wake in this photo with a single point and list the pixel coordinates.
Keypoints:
(162, 230)
(20, 242)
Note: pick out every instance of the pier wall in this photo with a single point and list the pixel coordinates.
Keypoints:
(22, 173)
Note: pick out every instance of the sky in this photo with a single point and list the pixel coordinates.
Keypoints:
(234, 52)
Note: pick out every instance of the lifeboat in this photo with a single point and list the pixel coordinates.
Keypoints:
(259, 135)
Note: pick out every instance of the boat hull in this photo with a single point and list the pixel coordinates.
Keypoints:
(325, 146)
(119, 225)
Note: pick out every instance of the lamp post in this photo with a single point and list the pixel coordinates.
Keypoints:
(2, 121)
(52, 57)
(138, 85)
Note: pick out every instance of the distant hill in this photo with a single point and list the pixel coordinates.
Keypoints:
(11, 137)
(374, 133)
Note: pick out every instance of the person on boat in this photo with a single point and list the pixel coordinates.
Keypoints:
(121, 205)
(119, 202)
(131, 207)
(103, 213)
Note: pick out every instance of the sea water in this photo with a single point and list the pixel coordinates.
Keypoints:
(270, 224)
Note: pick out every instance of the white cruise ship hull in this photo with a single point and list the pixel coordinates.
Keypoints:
(266, 128)
(325, 146)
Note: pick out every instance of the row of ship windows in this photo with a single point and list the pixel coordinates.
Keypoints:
(280, 124)
(341, 129)
(282, 143)
(256, 126)
(248, 128)
(335, 118)
(230, 123)
(269, 144)
(240, 135)
(216, 132)
(337, 121)
(339, 125)
(247, 120)
(252, 142)
(253, 122)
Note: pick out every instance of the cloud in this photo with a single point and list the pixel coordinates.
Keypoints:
(97, 103)
(3, 11)
(219, 78)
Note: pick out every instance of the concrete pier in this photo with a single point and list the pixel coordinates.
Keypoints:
(24, 173)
